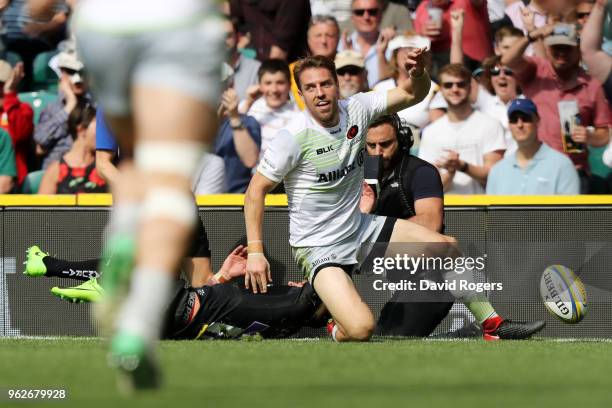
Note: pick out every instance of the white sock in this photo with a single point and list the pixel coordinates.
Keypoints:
(142, 312)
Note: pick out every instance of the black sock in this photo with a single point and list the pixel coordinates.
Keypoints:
(80, 270)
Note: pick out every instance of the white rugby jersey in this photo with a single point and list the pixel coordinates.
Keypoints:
(323, 170)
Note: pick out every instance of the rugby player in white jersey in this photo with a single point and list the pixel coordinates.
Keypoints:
(319, 157)
(159, 93)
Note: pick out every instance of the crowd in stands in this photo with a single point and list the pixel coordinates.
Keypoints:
(520, 99)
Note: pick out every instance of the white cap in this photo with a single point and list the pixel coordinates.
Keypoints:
(69, 60)
(414, 41)
(348, 57)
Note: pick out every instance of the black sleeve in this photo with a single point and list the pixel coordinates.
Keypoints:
(201, 246)
(426, 183)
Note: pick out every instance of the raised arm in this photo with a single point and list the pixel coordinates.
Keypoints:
(397, 98)
(244, 137)
(456, 51)
(382, 43)
(528, 18)
(598, 62)
(515, 59)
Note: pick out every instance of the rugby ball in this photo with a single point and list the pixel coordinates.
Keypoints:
(563, 293)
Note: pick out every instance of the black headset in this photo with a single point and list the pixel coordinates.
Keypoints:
(405, 139)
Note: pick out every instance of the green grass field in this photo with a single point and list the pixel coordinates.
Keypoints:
(300, 373)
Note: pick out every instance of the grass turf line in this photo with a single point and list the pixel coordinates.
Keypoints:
(323, 374)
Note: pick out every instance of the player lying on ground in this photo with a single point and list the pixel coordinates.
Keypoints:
(215, 311)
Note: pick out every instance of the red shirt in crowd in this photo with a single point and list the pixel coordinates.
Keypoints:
(545, 89)
(17, 120)
(476, 28)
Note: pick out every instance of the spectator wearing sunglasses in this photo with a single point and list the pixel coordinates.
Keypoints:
(555, 82)
(51, 133)
(352, 75)
(464, 143)
(480, 95)
(500, 82)
(535, 168)
(366, 18)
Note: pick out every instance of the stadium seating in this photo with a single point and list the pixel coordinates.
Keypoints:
(32, 181)
(44, 78)
(38, 101)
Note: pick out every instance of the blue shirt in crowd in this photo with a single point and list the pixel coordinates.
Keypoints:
(237, 176)
(548, 172)
(105, 140)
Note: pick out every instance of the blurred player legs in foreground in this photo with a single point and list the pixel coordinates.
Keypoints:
(159, 94)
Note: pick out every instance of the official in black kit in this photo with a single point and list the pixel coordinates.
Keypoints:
(408, 188)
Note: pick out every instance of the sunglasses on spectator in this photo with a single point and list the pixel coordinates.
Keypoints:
(449, 85)
(495, 71)
(370, 11)
(70, 72)
(351, 70)
(514, 118)
(583, 15)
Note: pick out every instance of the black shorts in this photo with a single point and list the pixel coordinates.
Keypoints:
(200, 247)
(229, 311)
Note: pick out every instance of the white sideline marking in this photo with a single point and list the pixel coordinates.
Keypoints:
(7, 266)
(52, 338)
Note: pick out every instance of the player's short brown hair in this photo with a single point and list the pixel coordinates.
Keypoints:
(456, 70)
(317, 61)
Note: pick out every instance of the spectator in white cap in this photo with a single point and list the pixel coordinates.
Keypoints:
(416, 116)
(51, 132)
(352, 75)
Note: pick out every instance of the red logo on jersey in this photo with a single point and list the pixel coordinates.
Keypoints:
(352, 132)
